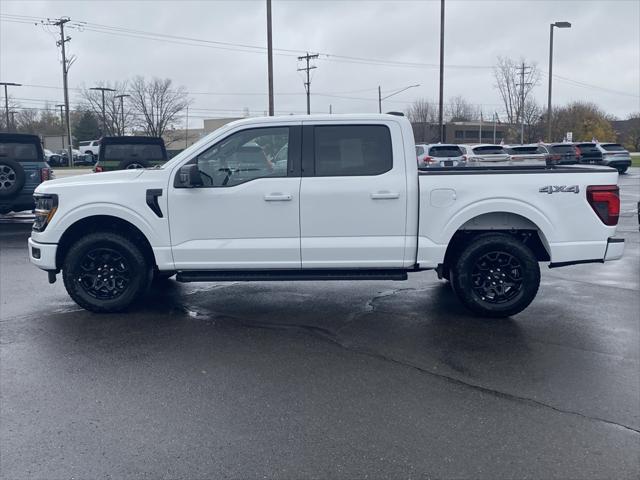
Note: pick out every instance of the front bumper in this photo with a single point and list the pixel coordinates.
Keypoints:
(43, 255)
(615, 249)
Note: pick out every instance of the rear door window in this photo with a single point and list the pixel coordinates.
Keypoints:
(440, 151)
(352, 150)
(419, 150)
(20, 152)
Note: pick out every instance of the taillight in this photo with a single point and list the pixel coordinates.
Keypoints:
(464, 158)
(605, 201)
(427, 159)
(45, 174)
(97, 168)
(578, 152)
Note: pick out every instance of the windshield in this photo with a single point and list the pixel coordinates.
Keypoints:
(190, 150)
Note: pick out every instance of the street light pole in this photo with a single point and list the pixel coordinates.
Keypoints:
(6, 100)
(270, 58)
(441, 98)
(104, 113)
(549, 116)
(121, 97)
(380, 97)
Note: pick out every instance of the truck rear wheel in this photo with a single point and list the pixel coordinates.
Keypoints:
(105, 272)
(495, 275)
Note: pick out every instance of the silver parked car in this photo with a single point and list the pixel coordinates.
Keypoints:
(615, 155)
(440, 155)
(529, 154)
(486, 153)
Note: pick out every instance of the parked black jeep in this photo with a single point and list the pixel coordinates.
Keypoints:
(120, 153)
(22, 169)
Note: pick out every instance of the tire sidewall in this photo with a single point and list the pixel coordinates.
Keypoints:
(462, 280)
(140, 278)
(20, 178)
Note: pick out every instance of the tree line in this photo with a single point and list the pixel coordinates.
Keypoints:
(584, 119)
(147, 107)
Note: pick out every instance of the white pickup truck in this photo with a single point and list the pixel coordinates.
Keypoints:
(322, 198)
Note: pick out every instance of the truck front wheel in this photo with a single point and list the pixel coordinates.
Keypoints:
(495, 275)
(105, 272)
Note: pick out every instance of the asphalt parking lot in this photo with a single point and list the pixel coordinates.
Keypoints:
(325, 380)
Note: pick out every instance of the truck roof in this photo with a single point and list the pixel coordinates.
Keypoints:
(350, 117)
(19, 137)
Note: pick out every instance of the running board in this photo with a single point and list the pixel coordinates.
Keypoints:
(288, 275)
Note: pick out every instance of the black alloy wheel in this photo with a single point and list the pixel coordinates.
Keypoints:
(497, 277)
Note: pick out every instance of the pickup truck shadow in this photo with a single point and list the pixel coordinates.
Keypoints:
(425, 325)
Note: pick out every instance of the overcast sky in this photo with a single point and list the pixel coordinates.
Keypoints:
(395, 44)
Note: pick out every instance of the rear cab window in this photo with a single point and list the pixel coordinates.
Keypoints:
(119, 152)
(352, 150)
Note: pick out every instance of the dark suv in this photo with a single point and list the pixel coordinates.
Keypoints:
(120, 153)
(561, 153)
(22, 169)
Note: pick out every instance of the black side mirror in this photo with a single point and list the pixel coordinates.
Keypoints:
(188, 177)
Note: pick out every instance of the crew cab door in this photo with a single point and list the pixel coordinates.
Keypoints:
(353, 196)
(246, 214)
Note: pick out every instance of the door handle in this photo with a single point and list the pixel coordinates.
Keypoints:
(278, 197)
(385, 195)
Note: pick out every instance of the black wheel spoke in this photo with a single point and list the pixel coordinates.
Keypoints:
(103, 273)
(496, 277)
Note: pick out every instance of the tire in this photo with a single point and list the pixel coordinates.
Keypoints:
(623, 170)
(84, 267)
(12, 178)
(130, 164)
(476, 275)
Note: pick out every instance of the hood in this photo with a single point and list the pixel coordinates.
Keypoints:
(118, 176)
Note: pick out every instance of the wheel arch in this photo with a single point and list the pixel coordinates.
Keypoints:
(103, 223)
(514, 224)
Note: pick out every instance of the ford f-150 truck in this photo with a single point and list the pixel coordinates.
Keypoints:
(349, 203)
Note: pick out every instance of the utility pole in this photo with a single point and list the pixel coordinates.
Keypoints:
(61, 107)
(379, 100)
(270, 57)
(6, 100)
(330, 109)
(495, 114)
(121, 97)
(480, 131)
(186, 134)
(104, 113)
(307, 84)
(523, 70)
(441, 102)
(60, 22)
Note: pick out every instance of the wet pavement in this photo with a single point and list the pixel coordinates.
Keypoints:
(323, 380)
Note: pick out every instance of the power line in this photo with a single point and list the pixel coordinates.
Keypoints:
(307, 84)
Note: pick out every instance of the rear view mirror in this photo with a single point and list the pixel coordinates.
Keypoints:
(188, 177)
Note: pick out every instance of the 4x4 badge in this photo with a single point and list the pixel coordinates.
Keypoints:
(560, 188)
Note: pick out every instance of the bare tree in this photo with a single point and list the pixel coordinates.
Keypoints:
(423, 116)
(533, 121)
(459, 110)
(116, 121)
(157, 104)
(508, 79)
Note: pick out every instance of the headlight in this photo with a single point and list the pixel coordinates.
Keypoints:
(46, 206)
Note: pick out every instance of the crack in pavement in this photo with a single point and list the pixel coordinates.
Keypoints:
(333, 337)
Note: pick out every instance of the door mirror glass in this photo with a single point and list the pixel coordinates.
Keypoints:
(188, 177)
